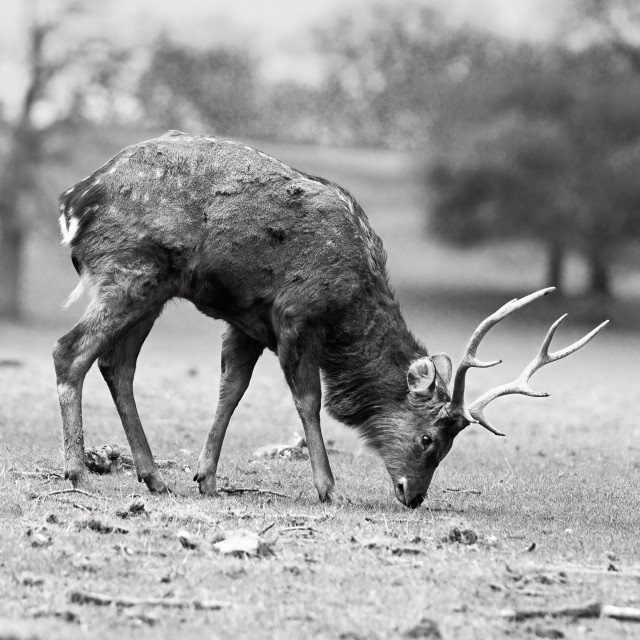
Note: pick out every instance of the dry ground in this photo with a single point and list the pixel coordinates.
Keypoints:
(566, 478)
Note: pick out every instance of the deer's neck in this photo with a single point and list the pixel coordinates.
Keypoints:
(365, 362)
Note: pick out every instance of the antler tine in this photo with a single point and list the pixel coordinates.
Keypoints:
(456, 406)
(521, 384)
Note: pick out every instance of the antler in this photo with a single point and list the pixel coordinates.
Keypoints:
(475, 411)
(456, 407)
(521, 383)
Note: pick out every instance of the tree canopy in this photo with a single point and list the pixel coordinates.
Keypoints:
(551, 153)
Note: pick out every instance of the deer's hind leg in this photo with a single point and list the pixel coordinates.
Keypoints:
(239, 356)
(118, 305)
(118, 366)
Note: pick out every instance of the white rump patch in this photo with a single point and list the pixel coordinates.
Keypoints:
(63, 223)
(68, 232)
(84, 283)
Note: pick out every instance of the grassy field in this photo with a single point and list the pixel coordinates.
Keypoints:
(566, 479)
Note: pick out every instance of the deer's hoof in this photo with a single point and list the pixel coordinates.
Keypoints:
(155, 483)
(328, 493)
(207, 485)
(77, 475)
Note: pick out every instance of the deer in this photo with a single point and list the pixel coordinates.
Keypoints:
(291, 264)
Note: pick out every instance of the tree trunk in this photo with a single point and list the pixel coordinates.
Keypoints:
(555, 267)
(12, 240)
(599, 280)
(16, 175)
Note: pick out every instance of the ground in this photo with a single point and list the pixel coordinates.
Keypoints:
(544, 518)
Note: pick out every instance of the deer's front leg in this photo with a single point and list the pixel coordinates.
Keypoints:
(300, 363)
(239, 356)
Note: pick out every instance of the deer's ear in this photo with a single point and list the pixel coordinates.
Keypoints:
(421, 376)
(443, 366)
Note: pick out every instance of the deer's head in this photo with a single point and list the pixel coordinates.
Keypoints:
(435, 416)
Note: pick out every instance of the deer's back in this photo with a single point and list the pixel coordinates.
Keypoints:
(237, 232)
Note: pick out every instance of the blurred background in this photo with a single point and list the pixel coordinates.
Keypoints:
(495, 145)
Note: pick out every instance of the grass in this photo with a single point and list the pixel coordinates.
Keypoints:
(566, 478)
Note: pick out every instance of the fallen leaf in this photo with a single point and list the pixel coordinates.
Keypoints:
(293, 451)
(40, 537)
(461, 536)
(187, 540)
(242, 542)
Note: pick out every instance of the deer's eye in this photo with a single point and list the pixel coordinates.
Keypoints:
(426, 441)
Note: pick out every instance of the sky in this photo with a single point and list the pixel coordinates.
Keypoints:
(277, 31)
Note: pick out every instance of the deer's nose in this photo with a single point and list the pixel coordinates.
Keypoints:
(408, 497)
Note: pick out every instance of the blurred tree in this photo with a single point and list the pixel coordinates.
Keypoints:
(546, 152)
(389, 65)
(16, 175)
(513, 181)
(71, 58)
(215, 87)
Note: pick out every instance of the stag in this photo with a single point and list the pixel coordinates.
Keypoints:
(290, 263)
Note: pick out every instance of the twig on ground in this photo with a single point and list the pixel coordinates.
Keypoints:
(408, 518)
(475, 492)
(100, 599)
(37, 474)
(592, 610)
(232, 491)
(269, 526)
(77, 505)
(631, 614)
(302, 528)
(48, 494)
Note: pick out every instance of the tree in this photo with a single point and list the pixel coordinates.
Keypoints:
(547, 154)
(216, 87)
(512, 182)
(389, 65)
(16, 177)
(75, 58)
